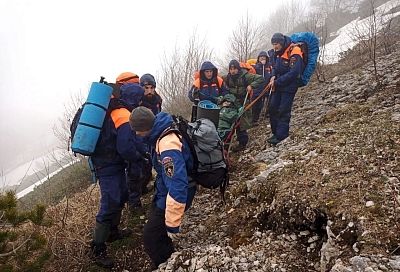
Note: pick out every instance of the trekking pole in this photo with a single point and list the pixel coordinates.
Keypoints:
(266, 104)
(236, 125)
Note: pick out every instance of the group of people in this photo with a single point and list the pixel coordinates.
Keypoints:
(136, 137)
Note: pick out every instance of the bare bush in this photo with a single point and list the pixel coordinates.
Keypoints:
(61, 128)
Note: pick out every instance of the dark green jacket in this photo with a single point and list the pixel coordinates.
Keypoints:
(238, 87)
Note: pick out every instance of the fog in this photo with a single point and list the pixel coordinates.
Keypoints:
(52, 49)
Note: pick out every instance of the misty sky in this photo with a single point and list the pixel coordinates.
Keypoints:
(50, 49)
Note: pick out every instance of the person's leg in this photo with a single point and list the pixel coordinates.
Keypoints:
(243, 137)
(257, 108)
(284, 115)
(115, 232)
(135, 185)
(109, 212)
(157, 244)
(275, 100)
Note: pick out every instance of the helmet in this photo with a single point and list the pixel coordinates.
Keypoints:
(127, 77)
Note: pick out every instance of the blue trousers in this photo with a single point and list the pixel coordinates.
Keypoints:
(114, 194)
(242, 137)
(257, 108)
(280, 109)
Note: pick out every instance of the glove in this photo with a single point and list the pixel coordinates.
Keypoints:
(173, 236)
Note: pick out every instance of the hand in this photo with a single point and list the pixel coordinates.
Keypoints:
(173, 236)
(271, 84)
(250, 91)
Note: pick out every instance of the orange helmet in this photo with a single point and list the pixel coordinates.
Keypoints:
(127, 77)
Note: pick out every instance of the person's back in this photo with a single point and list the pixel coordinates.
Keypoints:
(115, 147)
(208, 86)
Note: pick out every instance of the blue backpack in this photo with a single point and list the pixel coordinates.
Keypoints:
(309, 45)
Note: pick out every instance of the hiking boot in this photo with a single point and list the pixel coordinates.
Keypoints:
(119, 235)
(98, 254)
(273, 140)
(238, 148)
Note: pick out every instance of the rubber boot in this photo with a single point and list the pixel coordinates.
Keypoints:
(99, 248)
(115, 232)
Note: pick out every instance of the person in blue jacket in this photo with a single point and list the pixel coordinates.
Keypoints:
(117, 145)
(137, 172)
(174, 191)
(209, 86)
(286, 70)
(264, 69)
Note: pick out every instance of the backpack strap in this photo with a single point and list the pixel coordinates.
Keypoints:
(179, 127)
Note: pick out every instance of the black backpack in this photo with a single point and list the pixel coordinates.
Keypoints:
(210, 168)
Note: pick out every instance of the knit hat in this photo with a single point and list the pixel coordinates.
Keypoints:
(235, 64)
(141, 119)
(278, 38)
(127, 77)
(147, 79)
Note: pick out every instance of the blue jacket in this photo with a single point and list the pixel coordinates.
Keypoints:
(207, 89)
(264, 70)
(288, 66)
(172, 161)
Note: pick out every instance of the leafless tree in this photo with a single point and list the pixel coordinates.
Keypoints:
(284, 19)
(178, 69)
(366, 34)
(62, 127)
(245, 40)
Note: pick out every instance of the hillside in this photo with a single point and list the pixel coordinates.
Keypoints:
(325, 199)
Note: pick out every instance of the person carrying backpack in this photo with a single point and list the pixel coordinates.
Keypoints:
(174, 192)
(264, 69)
(287, 69)
(208, 86)
(116, 146)
(241, 84)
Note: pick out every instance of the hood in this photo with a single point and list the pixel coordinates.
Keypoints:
(262, 54)
(207, 65)
(132, 94)
(163, 120)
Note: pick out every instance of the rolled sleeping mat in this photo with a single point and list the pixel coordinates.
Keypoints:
(92, 118)
(209, 110)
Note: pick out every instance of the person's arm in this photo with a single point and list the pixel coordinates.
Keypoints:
(175, 177)
(255, 80)
(191, 93)
(126, 144)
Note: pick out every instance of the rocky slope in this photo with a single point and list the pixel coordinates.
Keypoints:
(327, 198)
